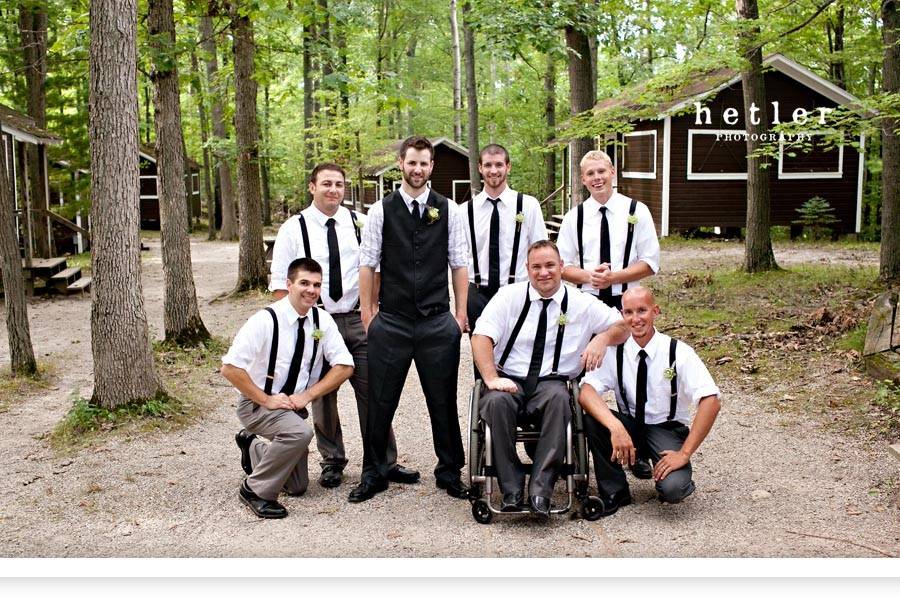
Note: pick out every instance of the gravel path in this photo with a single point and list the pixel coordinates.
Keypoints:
(767, 484)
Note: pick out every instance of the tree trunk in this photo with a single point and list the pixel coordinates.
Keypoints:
(384, 11)
(21, 353)
(837, 64)
(228, 230)
(124, 370)
(251, 257)
(200, 96)
(181, 316)
(264, 163)
(890, 150)
(471, 98)
(581, 98)
(550, 120)
(457, 75)
(33, 32)
(308, 106)
(758, 255)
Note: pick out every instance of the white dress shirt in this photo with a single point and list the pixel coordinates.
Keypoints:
(289, 246)
(250, 348)
(694, 380)
(457, 245)
(533, 229)
(644, 247)
(585, 318)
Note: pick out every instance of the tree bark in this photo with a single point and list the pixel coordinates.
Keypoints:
(21, 352)
(889, 269)
(582, 97)
(181, 316)
(471, 98)
(758, 255)
(264, 163)
(251, 257)
(33, 32)
(124, 370)
(550, 121)
(228, 229)
(308, 105)
(457, 74)
(199, 94)
(837, 64)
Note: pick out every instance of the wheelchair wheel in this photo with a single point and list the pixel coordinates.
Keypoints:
(482, 512)
(592, 508)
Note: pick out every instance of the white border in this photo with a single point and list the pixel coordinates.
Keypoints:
(710, 176)
(666, 175)
(860, 181)
(639, 174)
(839, 174)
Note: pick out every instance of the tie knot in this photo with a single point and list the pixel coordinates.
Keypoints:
(546, 301)
(330, 223)
(642, 353)
(603, 210)
(301, 321)
(494, 201)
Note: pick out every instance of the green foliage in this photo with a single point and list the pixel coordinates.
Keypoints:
(816, 214)
(887, 395)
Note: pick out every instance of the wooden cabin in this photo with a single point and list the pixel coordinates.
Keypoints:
(449, 178)
(689, 163)
(150, 188)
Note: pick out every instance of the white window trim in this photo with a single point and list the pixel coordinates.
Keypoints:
(691, 176)
(839, 174)
(456, 181)
(640, 174)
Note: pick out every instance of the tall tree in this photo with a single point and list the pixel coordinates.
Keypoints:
(471, 97)
(549, 178)
(21, 353)
(264, 162)
(200, 97)
(33, 33)
(251, 257)
(758, 255)
(457, 74)
(181, 316)
(308, 103)
(890, 149)
(834, 26)
(582, 95)
(124, 370)
(228, 230)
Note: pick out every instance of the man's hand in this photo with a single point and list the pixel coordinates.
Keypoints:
(278, 401)
(463, 322)
(301, 399)
(502, 384)
(592, 357)
(366, 315)
(601, 278)
(671, 460)
(623, 451)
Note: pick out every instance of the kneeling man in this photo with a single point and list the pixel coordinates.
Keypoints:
(531, 339)
(276, 362)
(656, 381)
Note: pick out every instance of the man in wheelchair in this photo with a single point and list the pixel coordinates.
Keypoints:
(531, 339)
(656, 381)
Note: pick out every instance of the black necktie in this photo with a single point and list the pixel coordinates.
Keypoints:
(415, 211)
(494, 249)
(537, 352)
(605, 294)
(335, 285)
(641, 390)
(296, 360)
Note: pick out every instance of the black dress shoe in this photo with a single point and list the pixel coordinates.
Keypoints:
(400, 474)
(514, 502)
(642, 469)
(367, 490)
(244, 438)
(454, 488)
(540, 507)
(618, 500)
(331, 476)
(262, 508)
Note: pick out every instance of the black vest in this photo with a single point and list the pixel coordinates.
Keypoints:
(414, 259)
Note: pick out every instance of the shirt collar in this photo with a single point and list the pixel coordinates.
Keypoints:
(286, 309)
(632, 348)
(612, 205)
(533, 294)
(421, 198)
(320, 217)
(482, 196)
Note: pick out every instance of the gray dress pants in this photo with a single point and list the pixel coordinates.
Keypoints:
(282, 462)
(549, 408)
(327, 422)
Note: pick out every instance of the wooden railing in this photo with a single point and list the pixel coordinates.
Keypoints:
(62, 221)
(552, 195)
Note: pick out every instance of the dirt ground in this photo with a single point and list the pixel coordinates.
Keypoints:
(768, 483)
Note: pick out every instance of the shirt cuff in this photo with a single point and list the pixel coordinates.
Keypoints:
(704, 392)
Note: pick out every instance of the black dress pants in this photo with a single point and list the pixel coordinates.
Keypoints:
(433, 343)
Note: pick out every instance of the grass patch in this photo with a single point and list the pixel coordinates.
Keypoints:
(14, 388)
(82, 260)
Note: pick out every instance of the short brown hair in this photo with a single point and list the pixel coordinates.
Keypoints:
(494, 149)
(417, 142)
(542, 244)
(303, 264)
(325, 166)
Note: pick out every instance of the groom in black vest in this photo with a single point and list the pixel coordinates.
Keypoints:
(414, 234)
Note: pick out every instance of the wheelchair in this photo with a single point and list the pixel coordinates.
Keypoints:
(574, 471)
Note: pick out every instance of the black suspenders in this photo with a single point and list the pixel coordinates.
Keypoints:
(515, 249)
(560, 332)
(273, 351)
(304, 232)
(629, 239)
(673, 396)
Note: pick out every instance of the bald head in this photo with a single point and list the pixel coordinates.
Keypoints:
(639, 293)
(639, 310)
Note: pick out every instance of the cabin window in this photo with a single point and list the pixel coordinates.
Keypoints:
(716, 154)
(461, 190)
(812, 156)
(639, 155)
(148, 186)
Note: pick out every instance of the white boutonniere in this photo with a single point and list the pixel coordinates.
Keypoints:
(318, 334)
(563, 320)
(632, 219)
(358, 224)
(669, 373)
(433, 215)
(520, 218)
